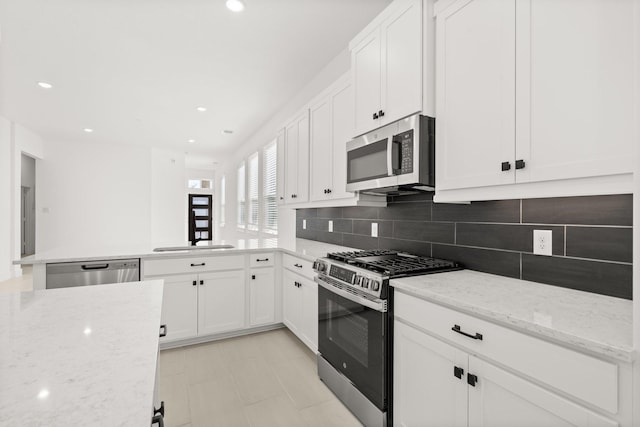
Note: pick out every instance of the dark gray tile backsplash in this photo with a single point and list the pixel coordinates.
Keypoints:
(592, 236)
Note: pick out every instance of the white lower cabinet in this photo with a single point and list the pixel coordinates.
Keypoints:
(180, 307)
(441, 380)
(426, 392)
(221, 302)
(300, 307)
(500, 398)
(262, 285)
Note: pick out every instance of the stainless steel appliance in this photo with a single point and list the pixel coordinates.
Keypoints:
(396, 158)
(354, 326)
(69, 274)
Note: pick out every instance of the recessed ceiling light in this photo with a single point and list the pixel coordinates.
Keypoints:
(88, 130)
(201, 109)
(227, 132)
(235, 5)
(191, 141)
(45, 85)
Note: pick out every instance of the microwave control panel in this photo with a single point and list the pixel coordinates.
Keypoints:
(405, 156)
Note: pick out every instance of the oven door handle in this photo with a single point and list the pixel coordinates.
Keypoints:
(380, 305)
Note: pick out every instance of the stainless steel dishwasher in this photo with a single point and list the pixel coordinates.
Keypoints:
(68, 274)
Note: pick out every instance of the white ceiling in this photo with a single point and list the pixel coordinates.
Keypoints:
(135, 70)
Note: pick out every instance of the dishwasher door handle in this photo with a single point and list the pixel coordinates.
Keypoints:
(95, 266)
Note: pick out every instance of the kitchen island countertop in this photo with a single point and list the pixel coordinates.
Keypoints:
(83, 356)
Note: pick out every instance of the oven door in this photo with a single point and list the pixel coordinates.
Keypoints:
(352, 338)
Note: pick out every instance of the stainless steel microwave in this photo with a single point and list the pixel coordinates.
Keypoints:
(393, 159)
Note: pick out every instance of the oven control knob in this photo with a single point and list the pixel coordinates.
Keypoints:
(320, 266)
(359, 280)
(365, 283)
(375, 285)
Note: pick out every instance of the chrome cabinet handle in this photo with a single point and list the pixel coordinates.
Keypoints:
(262, 260)
(202, 264)
(164, 332)
(297, 265)
(458, 330)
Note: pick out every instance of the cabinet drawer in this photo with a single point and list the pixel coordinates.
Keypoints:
(265, 259)
(588, 378)
(158, 267)
(298, 265)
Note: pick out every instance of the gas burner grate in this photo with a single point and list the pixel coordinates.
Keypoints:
(394, 263)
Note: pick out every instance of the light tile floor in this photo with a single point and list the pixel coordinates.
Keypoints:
(19, 284)
(260, 380)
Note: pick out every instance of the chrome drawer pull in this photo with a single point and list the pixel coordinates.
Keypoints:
(456, 329)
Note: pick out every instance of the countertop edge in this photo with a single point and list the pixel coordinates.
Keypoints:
(538, 331)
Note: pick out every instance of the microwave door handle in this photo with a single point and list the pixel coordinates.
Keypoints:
(390, 157)
(394, 156)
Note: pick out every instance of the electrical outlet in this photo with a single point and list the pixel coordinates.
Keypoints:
(374, 229)
(542, 242)
(330, 226)
(304, 224)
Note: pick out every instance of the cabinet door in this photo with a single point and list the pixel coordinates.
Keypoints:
(501, 399)
(180, 307)
(401, 63)
(291, 162)
(575, 115)
(282, 167)
(475, 93)
(342, 131)
(292, 299)
(321, 148)
(262, 288)
(365, 69)
(297, 159)
(221, 301)
(309, 315)
(426, 391)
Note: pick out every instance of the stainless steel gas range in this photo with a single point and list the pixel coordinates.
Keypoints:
(354, 327)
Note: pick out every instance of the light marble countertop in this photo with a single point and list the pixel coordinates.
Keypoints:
(302, 247)
(584, 320)
(82, 356)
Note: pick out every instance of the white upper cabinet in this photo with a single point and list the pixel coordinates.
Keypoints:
(294, 171)
(574, 111)
(475, 96)
(386, 66)
(535, 93)
(331, 122)
(281, 172)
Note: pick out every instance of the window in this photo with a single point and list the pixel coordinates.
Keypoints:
(252, 220)
(223, 199)
(242, 203)
(269, 199)
(199, 183)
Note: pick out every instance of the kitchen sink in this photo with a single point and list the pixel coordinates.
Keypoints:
(191, 248)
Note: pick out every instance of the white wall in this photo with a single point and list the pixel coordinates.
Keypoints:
(5, 198)
(93, 195)
(267, 132)
(168, 198)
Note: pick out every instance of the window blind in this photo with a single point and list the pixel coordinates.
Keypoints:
(254, 202)
(270, 202)
(242, 203)
(223, 199)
